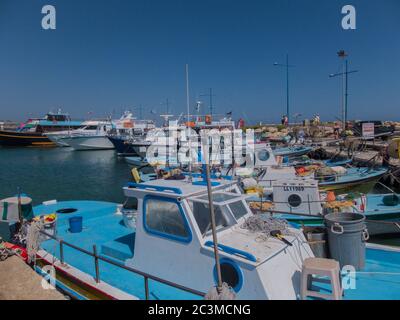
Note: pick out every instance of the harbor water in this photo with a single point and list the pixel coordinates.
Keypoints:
(62, 174)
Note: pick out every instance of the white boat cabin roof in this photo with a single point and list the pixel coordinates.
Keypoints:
(176, 188)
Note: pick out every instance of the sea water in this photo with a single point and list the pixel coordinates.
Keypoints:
(62, 174)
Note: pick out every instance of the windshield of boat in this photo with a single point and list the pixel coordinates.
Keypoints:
(201, 212)
(90, 128)
(228, 209)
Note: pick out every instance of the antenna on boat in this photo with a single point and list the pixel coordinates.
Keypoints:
(187, 120)
(212, 214)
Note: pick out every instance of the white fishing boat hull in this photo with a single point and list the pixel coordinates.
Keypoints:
(89, 143)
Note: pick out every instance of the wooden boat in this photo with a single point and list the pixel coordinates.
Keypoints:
(363, 179)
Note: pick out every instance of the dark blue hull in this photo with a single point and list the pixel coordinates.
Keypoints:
(123, 147)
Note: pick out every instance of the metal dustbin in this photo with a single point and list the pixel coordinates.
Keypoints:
(316, 238)
(347, 234)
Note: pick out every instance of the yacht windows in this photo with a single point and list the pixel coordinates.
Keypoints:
(90, 128)
(164, 218)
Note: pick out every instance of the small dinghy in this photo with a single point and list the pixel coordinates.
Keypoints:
(337, 162)
(347, 179)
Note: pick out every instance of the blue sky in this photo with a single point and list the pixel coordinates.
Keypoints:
(112, 55)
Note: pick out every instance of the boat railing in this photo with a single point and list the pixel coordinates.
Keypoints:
(97, 258)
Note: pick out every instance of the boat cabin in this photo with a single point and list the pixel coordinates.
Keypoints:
(164, 230)
(173, 240)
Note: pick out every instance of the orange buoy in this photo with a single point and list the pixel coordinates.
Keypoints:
(330, 196)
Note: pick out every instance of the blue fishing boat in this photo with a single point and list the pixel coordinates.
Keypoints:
(159, 246)
(152, 247)
(337, 162)
(364, 178)
(292, 152)
(306, 161)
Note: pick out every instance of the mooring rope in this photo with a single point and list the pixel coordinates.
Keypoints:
(33, 240)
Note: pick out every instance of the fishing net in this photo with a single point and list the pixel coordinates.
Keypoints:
(265, 225)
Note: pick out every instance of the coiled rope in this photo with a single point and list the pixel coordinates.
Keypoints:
(265, 225)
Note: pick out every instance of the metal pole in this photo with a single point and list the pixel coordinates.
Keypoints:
(344, 96)
(61, 252)
(346, 93)
(146, 287)
(187, 92)
(188, 119)
(287, 88)
(96, 263)
(211, 105)
(167, 103)
(212, 217)
(19, 207)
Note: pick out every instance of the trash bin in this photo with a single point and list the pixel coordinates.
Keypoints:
(316, 238)
(75, 224)
(347, 234)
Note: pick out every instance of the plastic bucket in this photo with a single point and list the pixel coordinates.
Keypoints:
(347, 234)
(75, 224)
(316, 238)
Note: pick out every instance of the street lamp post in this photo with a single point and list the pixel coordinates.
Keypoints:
(342, 54)
(287, 66)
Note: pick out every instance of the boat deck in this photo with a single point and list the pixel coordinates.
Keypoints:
(103, 227)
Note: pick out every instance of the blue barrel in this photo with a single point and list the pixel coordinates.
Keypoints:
(75, 224)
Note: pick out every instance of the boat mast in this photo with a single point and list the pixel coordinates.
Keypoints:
(212, 214)
(187, 121)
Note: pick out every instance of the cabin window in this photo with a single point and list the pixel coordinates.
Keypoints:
(201, 213)
(294, 200)
(164, 217)
(238, 209)
(90, 128)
